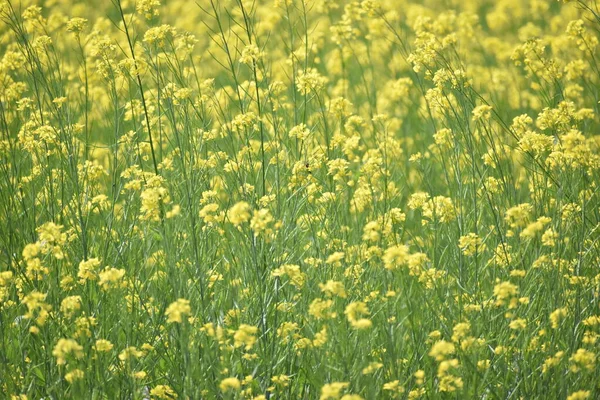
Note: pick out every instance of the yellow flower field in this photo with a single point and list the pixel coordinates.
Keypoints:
(299, 199)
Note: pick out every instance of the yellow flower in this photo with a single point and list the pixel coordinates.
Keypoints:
(443, 137)
(579, 395)
(505, 293)
(320, 338)
(552, 361)
(177, 310)
(594, 320)
(130, 352)
(250, 54)
(88, 269)
(245, 336)
(296, 276)
(230, 384)
(482, 112)
(239, 213)
(147, 7)
(52, 238)
(393, 386)
(153, 197)
(163, 392)
(460, 331)
(333, 288)
(76, 25)
(332, 391)
(300, 131)
(70, 305)
(441, 349)
(335, 258)
(371, 368)
(355, 311)
(310, 80)
(371, 231)
(74, 375)
(440, 208)
(583, 360)
(319, 309)
(140, 375)
(471, 244)
(518, 324)
(159, 35)
(557, 316)
(103, 345)
(111, 278)
(419, 376)
(65, 348)
(518, 216)
(281, 380)
(35, 302)
(260, 221)
(483, 365)
(448, 382)
(209, 213)
(416, 393)
(395, 257)
(533, 228)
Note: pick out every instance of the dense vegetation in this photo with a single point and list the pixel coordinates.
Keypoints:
(311, 199)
